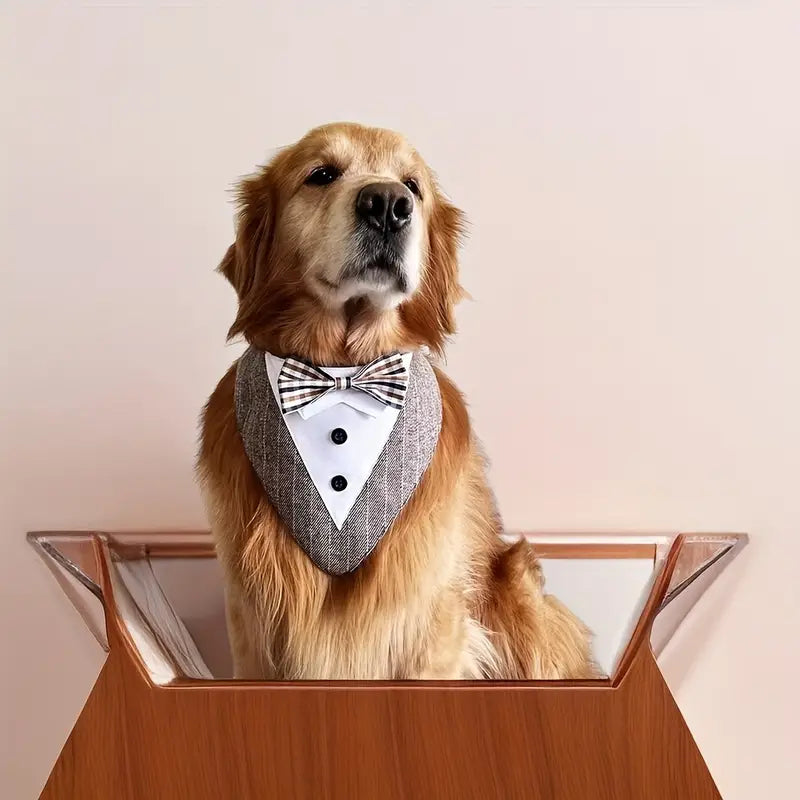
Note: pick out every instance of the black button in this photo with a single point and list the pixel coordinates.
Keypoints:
(338, 483)
(338, 435)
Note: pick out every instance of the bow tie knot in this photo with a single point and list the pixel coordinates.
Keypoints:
(301, 383)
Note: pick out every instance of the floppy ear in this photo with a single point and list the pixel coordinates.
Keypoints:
(445, 234)
(245, 261)
(431, 312)
(230, 268)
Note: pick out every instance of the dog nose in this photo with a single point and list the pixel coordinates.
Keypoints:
(385, 206)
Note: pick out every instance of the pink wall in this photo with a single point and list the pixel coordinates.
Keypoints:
(632, 178)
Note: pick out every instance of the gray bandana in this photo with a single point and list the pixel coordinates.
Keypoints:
(274, 457)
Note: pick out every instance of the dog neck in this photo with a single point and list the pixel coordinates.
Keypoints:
(353, 334)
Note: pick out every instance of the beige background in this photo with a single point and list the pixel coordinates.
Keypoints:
(632, 175)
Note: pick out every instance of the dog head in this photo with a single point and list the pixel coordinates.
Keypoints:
(345, 246)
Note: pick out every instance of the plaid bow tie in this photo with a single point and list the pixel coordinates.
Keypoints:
(301, 383)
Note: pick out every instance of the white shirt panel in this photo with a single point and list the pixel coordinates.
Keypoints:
(366, 421)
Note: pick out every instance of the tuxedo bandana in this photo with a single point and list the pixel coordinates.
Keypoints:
(387, 439)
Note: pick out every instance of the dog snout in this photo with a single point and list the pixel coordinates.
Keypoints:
(385, 206)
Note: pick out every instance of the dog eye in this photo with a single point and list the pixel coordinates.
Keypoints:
(322, 176)
(413, 187)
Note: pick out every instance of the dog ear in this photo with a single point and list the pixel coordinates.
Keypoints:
(431, 312)
(246, 260)
(230, 267)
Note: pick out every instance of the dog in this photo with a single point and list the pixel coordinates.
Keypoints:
(346, 251)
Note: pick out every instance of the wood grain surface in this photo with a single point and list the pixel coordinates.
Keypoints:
(134, 740)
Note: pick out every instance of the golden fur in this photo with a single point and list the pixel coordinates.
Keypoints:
(441, 596)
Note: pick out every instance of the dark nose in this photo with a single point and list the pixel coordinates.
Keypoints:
(385, 206)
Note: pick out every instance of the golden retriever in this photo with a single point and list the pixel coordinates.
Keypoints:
(441, 596)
